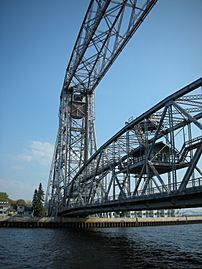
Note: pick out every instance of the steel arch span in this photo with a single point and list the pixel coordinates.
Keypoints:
(153, 162)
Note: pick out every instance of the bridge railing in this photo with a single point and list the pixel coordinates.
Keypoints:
(154, 191)
(197, 182)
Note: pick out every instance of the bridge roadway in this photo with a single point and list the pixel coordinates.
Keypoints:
(191, 197)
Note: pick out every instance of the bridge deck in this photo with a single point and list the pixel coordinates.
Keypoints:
(191, 197)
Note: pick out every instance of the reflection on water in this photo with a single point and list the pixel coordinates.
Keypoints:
(143, 247)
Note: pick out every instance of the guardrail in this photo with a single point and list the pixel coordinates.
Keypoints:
(196, 183)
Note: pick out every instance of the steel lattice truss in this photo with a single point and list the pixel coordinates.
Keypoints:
(157, 154)
(107, 27)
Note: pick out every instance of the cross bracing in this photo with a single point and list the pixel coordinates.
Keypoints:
(106, 29)
(157, 154)
(153, 162)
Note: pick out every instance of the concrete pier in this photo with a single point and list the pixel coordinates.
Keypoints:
(90, 223)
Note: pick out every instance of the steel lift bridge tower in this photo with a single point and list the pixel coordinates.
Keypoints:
(107, 27)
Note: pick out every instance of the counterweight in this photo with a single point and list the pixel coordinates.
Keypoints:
(107, 27)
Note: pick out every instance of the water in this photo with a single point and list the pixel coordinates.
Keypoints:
(143, 247)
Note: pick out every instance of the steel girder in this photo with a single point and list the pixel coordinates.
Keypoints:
(156, 154)
(106, 29)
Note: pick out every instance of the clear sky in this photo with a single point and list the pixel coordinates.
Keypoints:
(37, 38)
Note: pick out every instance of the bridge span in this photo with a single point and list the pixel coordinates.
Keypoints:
(153, 162)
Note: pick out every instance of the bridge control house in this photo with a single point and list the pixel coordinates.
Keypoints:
(160, 158)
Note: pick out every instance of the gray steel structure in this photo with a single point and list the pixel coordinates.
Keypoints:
(153, 162)
(107, 27)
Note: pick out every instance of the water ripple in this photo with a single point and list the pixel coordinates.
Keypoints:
(146, 247)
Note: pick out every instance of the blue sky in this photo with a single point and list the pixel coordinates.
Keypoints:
(37, 38)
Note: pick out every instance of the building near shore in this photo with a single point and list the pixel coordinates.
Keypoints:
(156, 213)
(4, 204)
(4, 208)
(143, 214)
(9, 207)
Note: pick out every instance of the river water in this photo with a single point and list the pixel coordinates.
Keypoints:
(142, 247)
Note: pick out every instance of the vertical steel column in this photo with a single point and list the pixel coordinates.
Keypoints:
(172, 143)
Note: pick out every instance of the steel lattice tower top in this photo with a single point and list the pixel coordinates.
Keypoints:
(107, 27)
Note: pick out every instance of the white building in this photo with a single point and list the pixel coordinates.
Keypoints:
(4, 208)
(155, 213)
(143, 214)
(20, 209)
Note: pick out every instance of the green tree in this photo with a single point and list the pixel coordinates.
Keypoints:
(21, 202)
(41, 193)
(28, 202)
(34, 203)
(37, 202)
(3, 196)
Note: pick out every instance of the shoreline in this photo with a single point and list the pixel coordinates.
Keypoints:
(88, 223)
